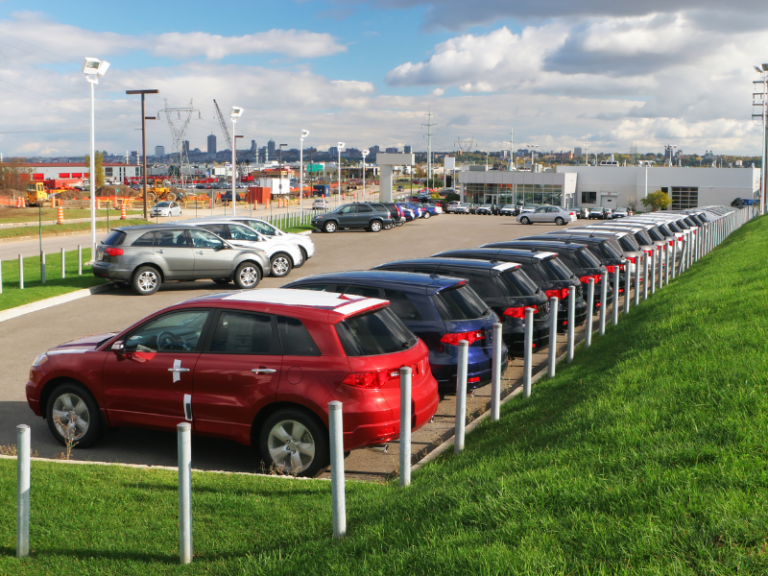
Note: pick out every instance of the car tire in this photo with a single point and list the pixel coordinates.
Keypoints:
(427, 215)
(388, 226)
(221, 280)
(559, 221)
(524, 220)
(292, 441)
(146, 280)
(72, 407)
(280, 265)
(247, 276)
(375, 226)
(330, 227)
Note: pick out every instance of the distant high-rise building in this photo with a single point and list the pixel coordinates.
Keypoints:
(408, 149)
(185, 147)
(159, 150)
(134, 157)
(393, 150)
(374, 149)
(271, 148)
(253, 146)
(577, 151)
(212, 144)
(333, 151)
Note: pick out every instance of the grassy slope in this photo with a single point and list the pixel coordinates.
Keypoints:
(645, 456)
(55, 229)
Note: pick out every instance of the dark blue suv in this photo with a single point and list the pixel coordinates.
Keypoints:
(440, 310)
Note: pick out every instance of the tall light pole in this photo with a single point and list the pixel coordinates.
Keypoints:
(93, 68)
(304, 134)
(237, 111)
(144, 142)
(761, 99)
(586, 149)
(339, 148)
(365, 153)
(533, 151)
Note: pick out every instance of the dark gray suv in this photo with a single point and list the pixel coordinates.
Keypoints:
(144, 257)
(357, 215)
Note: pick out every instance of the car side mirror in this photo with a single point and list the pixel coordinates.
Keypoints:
(118, 347)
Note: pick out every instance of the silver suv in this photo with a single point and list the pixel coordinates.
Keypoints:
(144, 257)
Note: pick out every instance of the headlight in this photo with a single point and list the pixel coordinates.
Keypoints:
(40, 360)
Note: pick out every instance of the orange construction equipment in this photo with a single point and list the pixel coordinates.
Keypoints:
(60, 215)
(123, 212)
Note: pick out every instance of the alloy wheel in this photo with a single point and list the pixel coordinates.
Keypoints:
(291, 446)
(71, 416)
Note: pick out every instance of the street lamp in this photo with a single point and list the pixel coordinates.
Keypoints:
(144, 141)
(365, 153)
(237, 111)
(93, 68)
(533, 151)
(304, 134)
(339, 148)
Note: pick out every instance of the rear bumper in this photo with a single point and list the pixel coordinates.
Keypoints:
(479, 368)
(108, 271)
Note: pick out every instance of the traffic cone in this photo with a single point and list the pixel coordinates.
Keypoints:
(123, 213)
(60, 215)
(98, 204)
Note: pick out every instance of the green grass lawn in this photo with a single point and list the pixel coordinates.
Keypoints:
(31, 215)
(34, 290)
(647, 455)
(55, 229)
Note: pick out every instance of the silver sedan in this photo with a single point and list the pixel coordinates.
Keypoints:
(548, 214)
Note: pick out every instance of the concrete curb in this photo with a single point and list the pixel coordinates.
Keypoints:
(55, 301)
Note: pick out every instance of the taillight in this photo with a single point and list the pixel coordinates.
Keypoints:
(470, 337)
(519, 311)
(114, 251)
(561, 293)
(613, 269)
(648, 252)
(375, 379)
(631, 259)
(585, 279)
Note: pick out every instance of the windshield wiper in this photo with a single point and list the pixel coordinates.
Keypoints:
(410, 343)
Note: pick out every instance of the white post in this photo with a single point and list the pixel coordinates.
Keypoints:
(21, 272)
(405, 426)
(616, 286)
(571, 322)
(301, 175)
(338, 498)
(637, 279)
(604, 280)
(554, 304)
(42, 267)
(528, 358)
(234, 169)
(1, 276)
(674, 257)
(496, 373)
(23, 451)
(628, 284)
(661, 267)
(652, 280)
(184, 450)
(590, 311)
(645, 276)
(79, 260)
(667, 252)
(461, 396)
(63, 264)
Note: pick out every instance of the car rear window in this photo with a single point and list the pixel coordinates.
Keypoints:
(674, 227)
(642, 237)
(654, 234)
(115, 238)
(556, 270)
(374, 333)
(609, 251)
(518, 283)
(459, 303)
(629, 243)
(586, 259)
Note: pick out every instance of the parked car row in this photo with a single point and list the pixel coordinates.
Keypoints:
(372, 216)
(238, 249)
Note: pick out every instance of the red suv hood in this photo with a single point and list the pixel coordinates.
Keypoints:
(88, 342)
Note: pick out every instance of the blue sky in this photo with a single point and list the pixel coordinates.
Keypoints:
(366, 73)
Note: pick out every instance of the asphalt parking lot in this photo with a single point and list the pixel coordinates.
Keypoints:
(23, 338)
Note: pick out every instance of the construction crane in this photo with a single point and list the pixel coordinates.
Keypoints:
(223, 124)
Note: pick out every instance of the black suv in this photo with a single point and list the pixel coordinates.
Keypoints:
(505, 288)
(356, 215)
(544, 268)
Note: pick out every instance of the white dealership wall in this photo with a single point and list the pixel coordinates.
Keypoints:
(617, 186)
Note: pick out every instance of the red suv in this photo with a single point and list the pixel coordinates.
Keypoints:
(257, 367)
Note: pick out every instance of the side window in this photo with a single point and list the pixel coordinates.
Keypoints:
(221, 230)
(172, 238)
(362, 291)
(401, 305)
(145, 239)
(481, 284)
(244, 333)
(239, 232)
(204, 239)
(295, 339)
(351, 209)
(363, 208)
(315, 287)
(175, 332)
(261, 227)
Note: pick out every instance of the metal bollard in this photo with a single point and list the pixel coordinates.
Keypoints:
(571, 321)
(338, 499)
(554, 304)
(667, 252)
(23, 451)
(637, 280)
(616, 288)
(604, 279)
(674, 257)
(63, 264)
(652, 280)
(496, 373)
(661, 268)
(184, 450)
(42, 266)
(528, 358)
(461, 396)
(79, 260)
(590, 312)
(21, 272)
(1, 276)
(628, 286)
(405, 426)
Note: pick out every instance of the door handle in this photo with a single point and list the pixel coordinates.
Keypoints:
(160, 252)
(198, 252)
(263, 370)
(178, 369)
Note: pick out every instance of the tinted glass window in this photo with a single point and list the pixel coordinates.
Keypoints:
(221, 230)
(262, 227)
(145, 239)
(348, 210)
(379, 332)
(401, 305)
(556, 270)
(243, 333)
(237, 232)
(665, 230)
(459, 303)
(172, 238)
(643, 238)
(115, 238)
(295, 339)
(175, 332)
(362, 291)
(587, 259)
(204, 239)
(364, 208)
(674, 227)
(629, 243)
(654, 234)
(518, 283)
(608, 250)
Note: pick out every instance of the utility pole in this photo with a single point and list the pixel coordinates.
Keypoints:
(586, 148)
(144, 142)
(429, 127)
